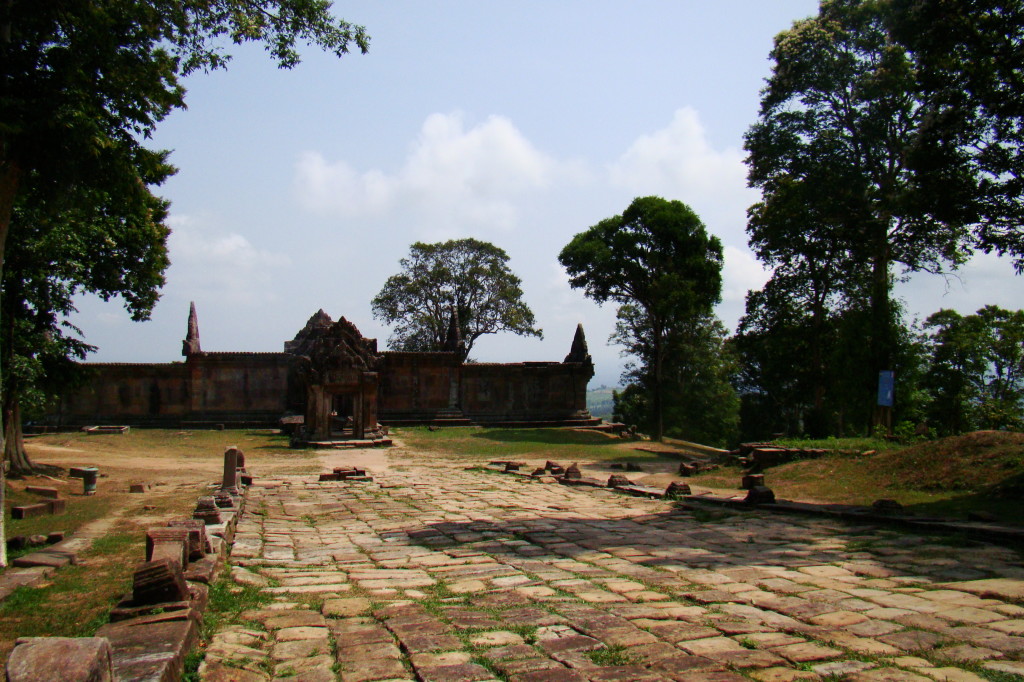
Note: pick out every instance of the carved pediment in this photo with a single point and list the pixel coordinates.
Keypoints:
(333, 351)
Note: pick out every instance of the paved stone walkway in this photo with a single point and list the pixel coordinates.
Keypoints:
(452, 575)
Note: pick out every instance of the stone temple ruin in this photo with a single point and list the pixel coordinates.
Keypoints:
(335, 382)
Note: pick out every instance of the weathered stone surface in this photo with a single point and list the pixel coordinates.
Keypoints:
(159, 581)
(198, 542)
(555, 575)
(168, 543)
(150, 651)
(68, 659)
(43, 491)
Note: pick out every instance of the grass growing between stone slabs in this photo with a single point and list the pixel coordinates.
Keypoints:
(557, 444)
(228, 601)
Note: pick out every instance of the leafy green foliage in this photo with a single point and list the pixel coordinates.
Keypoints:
(968, 57)
(844, 202)
(658, 259)
(975, 376)
(700, 403)
(466, 276)
(806, 372)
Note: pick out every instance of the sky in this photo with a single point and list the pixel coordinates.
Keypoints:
(518, 123)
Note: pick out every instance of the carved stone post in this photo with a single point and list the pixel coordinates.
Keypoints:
(230, 483)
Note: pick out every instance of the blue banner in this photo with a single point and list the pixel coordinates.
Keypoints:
(886, 387)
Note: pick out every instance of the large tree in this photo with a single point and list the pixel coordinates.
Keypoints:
(84, 82)
(834, 153)
(465, 282)
(658, 258)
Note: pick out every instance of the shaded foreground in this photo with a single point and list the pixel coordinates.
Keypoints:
(438, 573)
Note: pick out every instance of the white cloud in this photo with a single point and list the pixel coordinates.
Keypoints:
(679, 162)
(453, 178)
(741, 273)
(986, 279)
(225, 266)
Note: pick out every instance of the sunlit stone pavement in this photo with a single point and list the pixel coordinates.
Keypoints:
(432, 573)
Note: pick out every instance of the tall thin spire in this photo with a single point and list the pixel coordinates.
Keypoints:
(453, 340)
(190, 346)
(579, 351)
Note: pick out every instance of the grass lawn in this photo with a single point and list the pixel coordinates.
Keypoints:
(484, 444)
(949, 477)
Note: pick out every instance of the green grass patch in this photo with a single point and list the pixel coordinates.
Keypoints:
(612, 655)
(951, 477)
(557, 444)
(840, 444)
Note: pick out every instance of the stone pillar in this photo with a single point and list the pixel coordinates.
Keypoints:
(230, 483)
(368, 398)
(358, 430)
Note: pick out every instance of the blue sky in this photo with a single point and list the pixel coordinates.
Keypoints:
(517, 123)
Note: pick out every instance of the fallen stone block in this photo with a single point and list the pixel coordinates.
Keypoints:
(144, 650)
(68, 659)
(677, 489)
(57, 506)
(198, 542)
(159, 581)
(207, 511)
(203, 570)
(52, 493)
(618, 481)
(28, 511)
(751, 480)
(126, 610)
(138, 487)
(168, 543)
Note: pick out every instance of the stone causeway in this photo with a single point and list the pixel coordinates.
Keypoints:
(447, 574)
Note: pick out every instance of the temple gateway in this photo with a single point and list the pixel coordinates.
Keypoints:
(334, 382)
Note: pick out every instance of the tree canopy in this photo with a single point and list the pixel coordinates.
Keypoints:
(467, 281)
(968, 55)
(658, 258)
(111, 246)
(847, 186)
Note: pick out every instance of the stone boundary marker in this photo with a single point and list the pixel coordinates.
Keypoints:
(762, 497)
(153, 627)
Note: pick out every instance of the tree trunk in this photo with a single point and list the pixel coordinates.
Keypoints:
(10, 177)
(882, 337)
(14, 437)
(658, 402)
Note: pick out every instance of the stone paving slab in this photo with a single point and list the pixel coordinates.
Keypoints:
(448, 574)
